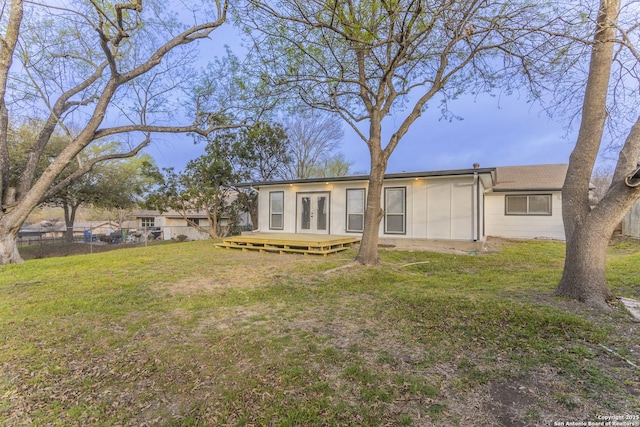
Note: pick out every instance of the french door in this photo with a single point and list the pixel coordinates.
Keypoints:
(313, 213)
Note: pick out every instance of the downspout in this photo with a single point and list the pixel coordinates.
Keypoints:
(477, 179)
(475, 227)
(476, 207)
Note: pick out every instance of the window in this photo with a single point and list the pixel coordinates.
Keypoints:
(394, 210)
(355, 209)
(276, 210)
(532, 204)
(147, 222)
(193, 222)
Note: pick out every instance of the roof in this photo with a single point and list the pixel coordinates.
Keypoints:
(169, 214)
(44, 227)
(530, 178)
(347, 178)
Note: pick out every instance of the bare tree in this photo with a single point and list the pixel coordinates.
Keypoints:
(368, 61)
(614, 52)
(600, 183)
(107, 70)
(313, 138)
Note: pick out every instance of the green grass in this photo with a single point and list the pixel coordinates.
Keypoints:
(186, 335)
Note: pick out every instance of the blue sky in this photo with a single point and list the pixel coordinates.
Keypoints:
(494, 131)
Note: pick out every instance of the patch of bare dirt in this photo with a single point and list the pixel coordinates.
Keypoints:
(264, 269)
(508, 403)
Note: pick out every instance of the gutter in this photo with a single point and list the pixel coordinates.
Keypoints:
(389, 176)
(512, 190)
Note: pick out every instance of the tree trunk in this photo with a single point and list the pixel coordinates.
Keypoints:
(9, 42)
(9, 247)
(253, 213)
(69, 219)
(10, 223)
(214, 228)
(368, 252)
(583, 278)
(588, 231)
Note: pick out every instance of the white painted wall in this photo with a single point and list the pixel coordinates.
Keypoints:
(450, 209)
(631, 221)
(436, 208)
(523, 226)
(337, 203)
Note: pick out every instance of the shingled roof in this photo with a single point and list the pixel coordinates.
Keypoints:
(529, 178)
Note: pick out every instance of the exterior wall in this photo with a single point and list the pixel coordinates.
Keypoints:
(481, 214)
(450, 209)
(631, 221)
(158, 221)
(337, 201)
(173, 222)
(192, 233)
(171, 227)
(435, 207)
(498, 224)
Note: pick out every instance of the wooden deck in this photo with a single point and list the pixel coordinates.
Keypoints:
(307, 244)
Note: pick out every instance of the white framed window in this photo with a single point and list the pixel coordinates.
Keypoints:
(355, 209)
(147, 222)
(395, 210)
(528, 204)
(276, 210)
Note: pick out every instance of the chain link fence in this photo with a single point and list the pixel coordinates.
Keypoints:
(45, 243)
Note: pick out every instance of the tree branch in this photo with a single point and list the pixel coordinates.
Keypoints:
(86, 167)
(60, 106)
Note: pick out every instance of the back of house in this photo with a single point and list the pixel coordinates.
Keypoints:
(464, 205)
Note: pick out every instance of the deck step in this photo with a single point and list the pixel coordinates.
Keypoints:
(284, 245)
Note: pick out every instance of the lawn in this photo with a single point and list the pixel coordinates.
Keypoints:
(186, 334)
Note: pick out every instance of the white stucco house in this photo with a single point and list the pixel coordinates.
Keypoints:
(454, 205)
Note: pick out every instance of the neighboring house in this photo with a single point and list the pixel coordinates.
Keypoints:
(57, 229)
(44, 228)
(462, 205)
(95, 227)
(171, 224)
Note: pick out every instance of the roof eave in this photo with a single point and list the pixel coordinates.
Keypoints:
(511, 190)
(390, 176)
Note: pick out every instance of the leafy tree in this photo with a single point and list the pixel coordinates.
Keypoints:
(208, 183)
(262, 151)
(113, 184)
(94, 70)
(20, 141)
(373, 60)
(263, 154)
(614, 52)
(204, 186)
